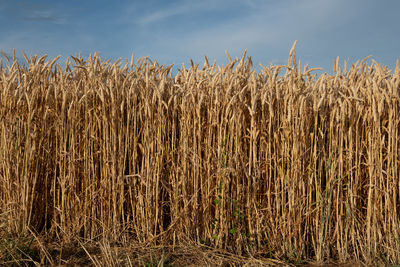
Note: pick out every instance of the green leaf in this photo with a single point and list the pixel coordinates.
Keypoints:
(224, 141)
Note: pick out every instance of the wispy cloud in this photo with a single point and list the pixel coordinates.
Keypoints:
(184, 7)
(44, 16)
(33, 11)
(267, 29)
(162, 14)
(262, 30)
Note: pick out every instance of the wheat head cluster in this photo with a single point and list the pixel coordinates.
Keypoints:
(272, 162)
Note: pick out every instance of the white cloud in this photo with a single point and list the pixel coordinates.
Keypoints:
(185, 7)
(162, 14)
(269, 26)
(45, 16)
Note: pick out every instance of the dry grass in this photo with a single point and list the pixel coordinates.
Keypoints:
(293, 167)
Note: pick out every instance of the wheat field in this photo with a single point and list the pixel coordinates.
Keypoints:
(280, 163)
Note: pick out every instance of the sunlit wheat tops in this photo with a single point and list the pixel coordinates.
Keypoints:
(289, 166)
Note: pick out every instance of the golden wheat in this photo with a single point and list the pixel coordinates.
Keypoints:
(291, 166)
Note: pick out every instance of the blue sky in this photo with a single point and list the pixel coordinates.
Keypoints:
(175, 31)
